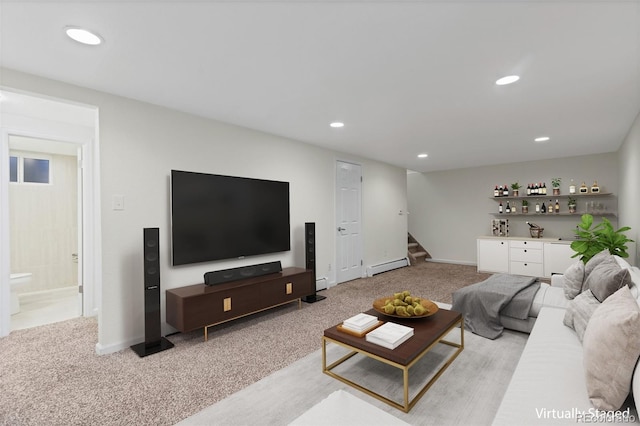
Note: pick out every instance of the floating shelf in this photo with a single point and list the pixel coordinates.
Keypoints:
(561, 196)
(577, 214)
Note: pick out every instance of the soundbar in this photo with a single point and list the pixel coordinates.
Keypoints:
(240, 273)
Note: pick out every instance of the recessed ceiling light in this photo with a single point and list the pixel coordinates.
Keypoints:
(423, 155)
(507, 80)
(336, 124)
(542, 139)
(83, 36)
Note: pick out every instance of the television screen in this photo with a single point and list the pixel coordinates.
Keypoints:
(216, 217)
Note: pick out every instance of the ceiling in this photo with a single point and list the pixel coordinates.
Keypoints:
(406, 77)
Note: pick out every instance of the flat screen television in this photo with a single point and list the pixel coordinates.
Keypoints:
(215, 217)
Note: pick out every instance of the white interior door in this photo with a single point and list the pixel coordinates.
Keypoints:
(349, 221)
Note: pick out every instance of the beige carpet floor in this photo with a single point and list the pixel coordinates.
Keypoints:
(51, 375)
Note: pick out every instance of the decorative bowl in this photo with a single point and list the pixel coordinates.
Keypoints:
(432, 308)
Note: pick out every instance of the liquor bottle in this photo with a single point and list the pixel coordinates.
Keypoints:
(544, 188)
(543, 209)
(535, 190)
(500, 207)
(529, 189)
(583, 188)
(505, 191)
(572, 187)
(508, 209)
(557, 206)
(532, 225)
(550, 208)
(495, 192)
(537, 207)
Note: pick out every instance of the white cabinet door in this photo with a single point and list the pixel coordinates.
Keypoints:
(557, 258)
(493, 255)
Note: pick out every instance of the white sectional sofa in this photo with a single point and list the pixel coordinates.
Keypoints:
(554, 380)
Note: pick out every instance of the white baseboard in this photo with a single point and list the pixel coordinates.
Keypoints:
(165, 329)
(109, 349)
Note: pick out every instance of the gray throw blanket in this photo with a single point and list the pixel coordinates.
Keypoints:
(501, 294)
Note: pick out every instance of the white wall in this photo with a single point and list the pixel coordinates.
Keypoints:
(141, 143)
(629, 160)
(449, 209)
(384, 199)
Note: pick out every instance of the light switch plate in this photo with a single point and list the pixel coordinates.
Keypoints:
(118, 202)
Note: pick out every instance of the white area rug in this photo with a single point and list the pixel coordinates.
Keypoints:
(468, 392)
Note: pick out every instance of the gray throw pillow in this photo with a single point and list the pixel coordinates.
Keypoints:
(573, 280)
(596, 260)
(607, 278)
(579, 312)
(611, 349)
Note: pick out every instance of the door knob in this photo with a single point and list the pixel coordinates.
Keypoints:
(340, 229)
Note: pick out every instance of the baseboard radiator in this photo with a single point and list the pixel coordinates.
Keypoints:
(321, 284)
(387, 266)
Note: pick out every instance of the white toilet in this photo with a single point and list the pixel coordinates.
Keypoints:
(18, 281)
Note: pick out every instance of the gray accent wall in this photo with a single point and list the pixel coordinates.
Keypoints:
(450, 209)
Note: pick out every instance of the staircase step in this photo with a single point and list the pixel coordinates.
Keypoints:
(419, 254)
(412, 245)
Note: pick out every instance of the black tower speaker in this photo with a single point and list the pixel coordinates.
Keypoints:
(153, 341)
(310, 259)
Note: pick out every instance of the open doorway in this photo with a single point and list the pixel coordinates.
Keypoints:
(56, 122)
(45, 236)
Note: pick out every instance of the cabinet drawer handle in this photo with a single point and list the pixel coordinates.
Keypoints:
(525, 264)
(525, 250)
(501, 242)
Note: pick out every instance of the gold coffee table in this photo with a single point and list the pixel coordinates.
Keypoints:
(428, 332)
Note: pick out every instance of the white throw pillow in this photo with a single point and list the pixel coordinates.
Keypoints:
(579, 311)
(611, 346)
(573, 280)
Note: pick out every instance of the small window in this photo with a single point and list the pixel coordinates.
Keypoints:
(13, 169)
(35, 170)
(29, 168)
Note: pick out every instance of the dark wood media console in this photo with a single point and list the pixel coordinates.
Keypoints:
(202, 306)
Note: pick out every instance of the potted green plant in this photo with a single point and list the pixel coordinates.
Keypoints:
(515, 187)
(572, 204)
(555, 183)
(525, 206)
(592, 240)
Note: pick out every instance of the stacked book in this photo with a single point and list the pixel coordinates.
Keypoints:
(390, 335)
(360, 323)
